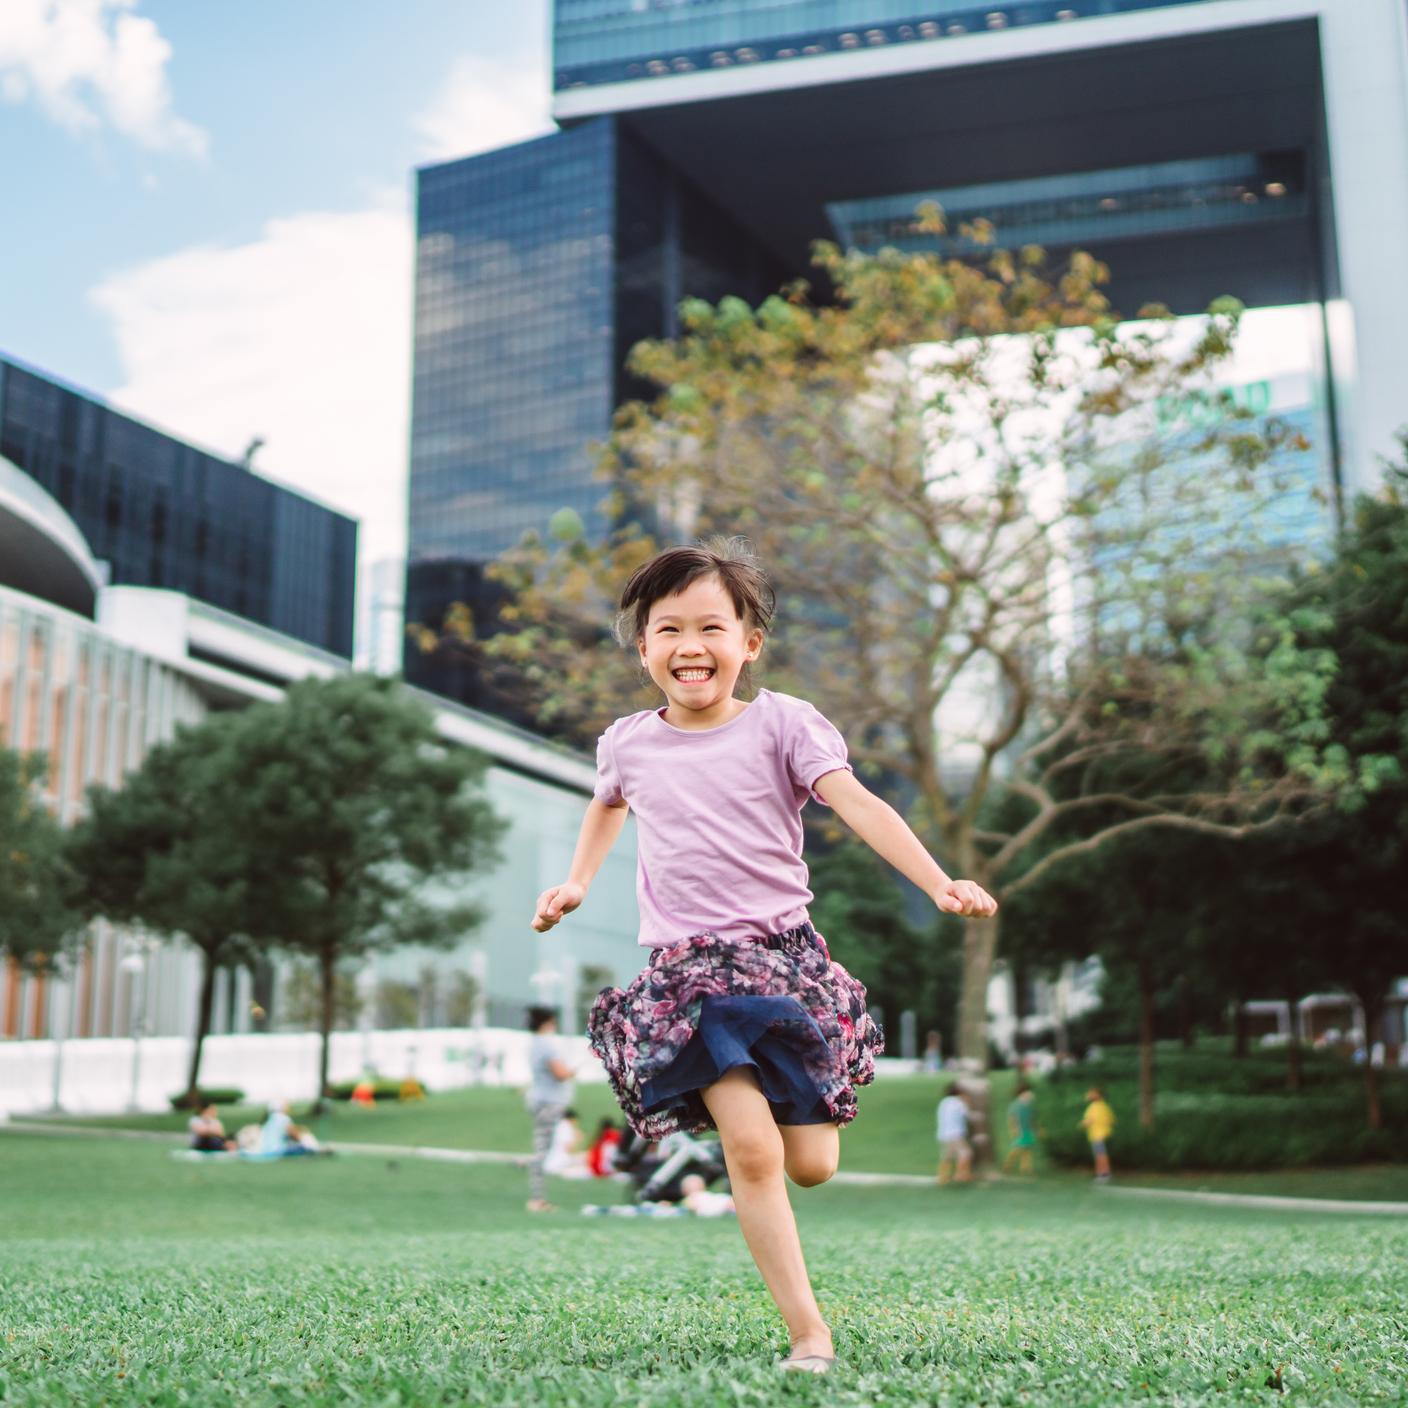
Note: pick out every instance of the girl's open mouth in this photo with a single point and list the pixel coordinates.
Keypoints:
(693, 675)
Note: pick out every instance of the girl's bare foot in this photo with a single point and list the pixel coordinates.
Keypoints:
(815, 1342)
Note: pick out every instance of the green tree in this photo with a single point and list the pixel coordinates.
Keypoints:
(301, 999)
(354, 806)
(967, 481)
(169, 849)
(38, 913)
(859, 908)
(1351, 865)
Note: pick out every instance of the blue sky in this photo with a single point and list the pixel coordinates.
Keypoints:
(209, 210)
(209, 218)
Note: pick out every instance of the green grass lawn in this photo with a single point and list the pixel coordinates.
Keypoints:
(894, 1134)
(129, 1277)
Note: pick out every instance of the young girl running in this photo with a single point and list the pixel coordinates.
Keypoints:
(740, 1021)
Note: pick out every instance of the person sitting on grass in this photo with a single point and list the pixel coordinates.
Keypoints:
(601, 1157)
(565, 1156)
(695, 1195)
(280, 1137)
(1021, 1129)
(207, 1133)
(1098, 1121)
(955, 1151)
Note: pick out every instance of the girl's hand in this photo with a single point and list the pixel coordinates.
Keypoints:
(965, 898)
(554, 903)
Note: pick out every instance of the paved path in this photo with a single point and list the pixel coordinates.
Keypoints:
(1265, 1201)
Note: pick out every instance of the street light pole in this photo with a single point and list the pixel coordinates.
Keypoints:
(136, 964)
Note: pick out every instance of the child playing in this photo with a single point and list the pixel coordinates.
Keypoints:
(1021, 1129)
(740, 1020)
(955, 1150)
(1098, 1122)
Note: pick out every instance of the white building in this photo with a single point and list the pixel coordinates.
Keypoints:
(94, 676)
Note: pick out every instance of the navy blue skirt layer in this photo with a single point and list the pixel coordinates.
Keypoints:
(773, 1035)
(701, 1007)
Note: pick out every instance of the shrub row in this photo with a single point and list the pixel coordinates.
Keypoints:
(209, 1095)
(1220, 1129)
(381, 1089)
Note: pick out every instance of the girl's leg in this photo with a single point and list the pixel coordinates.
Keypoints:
(754, 1152)
(810, 1152)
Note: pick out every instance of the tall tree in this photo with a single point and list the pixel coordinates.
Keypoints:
(355, 809)
(970, 481)
(38, 915)
(1352, 862)
(170, 849)
(860, 910)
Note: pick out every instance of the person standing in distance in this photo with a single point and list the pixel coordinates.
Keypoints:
(549, 1092)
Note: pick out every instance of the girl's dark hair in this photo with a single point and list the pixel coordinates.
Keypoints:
(730, 559)
(539, 1016)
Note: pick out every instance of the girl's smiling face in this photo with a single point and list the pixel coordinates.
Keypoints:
(695, 647)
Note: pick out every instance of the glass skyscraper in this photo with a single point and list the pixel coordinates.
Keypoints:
(611, 41)
(162, 513)
(1197, 148)
(538, 268)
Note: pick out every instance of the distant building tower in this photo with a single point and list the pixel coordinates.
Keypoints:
(162, 513)
(1201, 147)
(380, 631)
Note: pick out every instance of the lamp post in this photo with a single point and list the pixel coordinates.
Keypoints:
(135, 964)
(67, 973)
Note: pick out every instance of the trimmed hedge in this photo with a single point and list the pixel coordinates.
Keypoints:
(1215, 1112)
(209, 1095)
(381, 1089)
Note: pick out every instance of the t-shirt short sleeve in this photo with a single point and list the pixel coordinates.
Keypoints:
(608, 779)
(814, 747)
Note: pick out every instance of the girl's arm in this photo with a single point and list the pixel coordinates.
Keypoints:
(886, 832)
(600, 828)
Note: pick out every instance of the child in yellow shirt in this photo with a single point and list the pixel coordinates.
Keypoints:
(1098, 1121)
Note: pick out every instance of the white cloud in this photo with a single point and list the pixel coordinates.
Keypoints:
(482, 105)
(91, 62)
(302, 337)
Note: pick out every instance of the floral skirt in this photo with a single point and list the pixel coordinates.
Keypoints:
(703, 1006)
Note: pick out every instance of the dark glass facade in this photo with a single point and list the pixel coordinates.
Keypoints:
(538, 268)
(1090, 206)
(616, 41)
(162, 513)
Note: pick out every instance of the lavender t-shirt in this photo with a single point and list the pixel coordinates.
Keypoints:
(718, 815)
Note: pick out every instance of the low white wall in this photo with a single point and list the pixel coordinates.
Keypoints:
(98, 1073)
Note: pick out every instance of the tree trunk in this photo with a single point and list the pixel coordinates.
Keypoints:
(979, 950)
(1294, 1069)
(1185, 1016)
(1019, 1007)
(207, 1003)
(1373, 1021)
(327, 960)
(1146, 1042)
